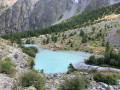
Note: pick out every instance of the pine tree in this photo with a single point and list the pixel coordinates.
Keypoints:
(82, 33)
(71, 68)
(32, 64)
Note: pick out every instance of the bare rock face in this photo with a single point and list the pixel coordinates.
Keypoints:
(5, 82)
(5, 4)
(22, 15)
(31, 14)
(113, 37)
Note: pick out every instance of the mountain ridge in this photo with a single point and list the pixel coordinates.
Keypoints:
(33, 14)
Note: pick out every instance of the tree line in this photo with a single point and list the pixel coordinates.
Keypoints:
(85, 19)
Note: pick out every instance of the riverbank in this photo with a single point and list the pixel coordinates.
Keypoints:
(82, 65)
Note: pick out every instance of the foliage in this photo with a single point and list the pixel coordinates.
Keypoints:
(110, 58)
(7, 67)
(32, 78)
(93, 70)
(60, 17)
(118, 31)
(108, 79)
(8, 59)
(76, 83)
(31, 51)
(15, 56)
(71, 68)
(32, 64)
(85, 19)
(84, 39)
(82, 33)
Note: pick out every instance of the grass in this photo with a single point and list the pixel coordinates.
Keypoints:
(108, 79)
(111, 72)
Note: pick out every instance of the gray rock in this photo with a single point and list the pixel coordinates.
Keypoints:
(111, 88)
(104, 85)
(30, 88)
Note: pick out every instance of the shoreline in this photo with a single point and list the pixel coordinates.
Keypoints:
(82, 65)
(79, 65)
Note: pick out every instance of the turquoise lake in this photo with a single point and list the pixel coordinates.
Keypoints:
(57, 61)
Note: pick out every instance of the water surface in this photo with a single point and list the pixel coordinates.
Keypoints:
(57, 61)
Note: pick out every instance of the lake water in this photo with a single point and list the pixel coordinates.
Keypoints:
(57, 61)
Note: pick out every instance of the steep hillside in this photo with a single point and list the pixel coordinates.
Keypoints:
(82, 20)
(32, 14)
(29, 14)
(5, 4)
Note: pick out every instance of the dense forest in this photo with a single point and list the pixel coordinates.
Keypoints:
(81, 20)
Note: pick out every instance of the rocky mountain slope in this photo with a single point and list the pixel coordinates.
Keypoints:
(5, 4)
(31, 14)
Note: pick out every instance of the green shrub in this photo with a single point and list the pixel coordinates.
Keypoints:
(118, 31)
(108, 79)
(77, 83)
(7, 67)
(82, 33)
(34, 49)
(71, 68)
(32, 78)
(31, 51)
(15, 56)
(7, 59)
(31, 63)
(93, 70)
(84, 39)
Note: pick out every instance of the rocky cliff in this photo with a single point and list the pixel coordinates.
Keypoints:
(5, 4)
(22, 15)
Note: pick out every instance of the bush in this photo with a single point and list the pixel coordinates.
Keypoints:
(71, 68)
(82, 33)
(7, 67)
(31, 51)
(32, 64)
(110, 59)
(84, 39)
(76, 83)
(15, 56)
(91, 60)
(34, 49)
(93, 70)
(7, 59)
(108, 79)
(32, 78)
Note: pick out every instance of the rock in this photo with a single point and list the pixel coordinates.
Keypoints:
(1, 48)
(104, 85)
(111, 88)
(30, 88)
(5, 82)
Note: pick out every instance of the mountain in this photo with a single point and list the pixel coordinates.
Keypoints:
(22, 15)
(5, 4)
